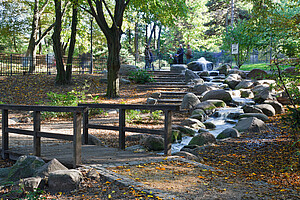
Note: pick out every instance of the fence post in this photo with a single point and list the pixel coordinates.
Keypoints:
(121, 129)
(47, 60)
(77, 139)
(36, 129)
(85, 127)
(168, 132)
(4, 133)
(11, 64)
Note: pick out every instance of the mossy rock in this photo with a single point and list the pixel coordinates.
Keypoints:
(202, 139)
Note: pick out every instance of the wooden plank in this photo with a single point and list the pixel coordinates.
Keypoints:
(5, 137)
(121, 129)
(43, 108)
(168, 133)
(77, 139)
(56, 136)
(85, 127)
(19, 131)
(134, 106)
(36, 129)
(95, 126)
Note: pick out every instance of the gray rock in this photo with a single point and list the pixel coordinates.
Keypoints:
(93, 140)
(290, 70)
(267, 109)
(154, 143)
(186, 130)
(259, 88)
(246, 93)
(192, 123)
(224, 69)
(257, 74)
(190, 75)
(202, 139)
(199, 114)
(188, 155)
(49, 167)
(64, 180)
(197, 81)
(218, 103)
(209, 125)
(235, 115)
(208, 107)
(233, 80)
(135, 137)
(25, 167)
(201, 88)
(218, 94)
(279, 109)
(251, 124)
(189, 101)
(31, 183)
(263, 95)
(260, 116)
(125, 70)
(4, 172)
(244, 84)
(203, 73)
(195, 66)
(239, 72)
(177, 68)
(137, 148)
(125, 81)
(93, 174)
(251, 109)
(151, 101)
(229, 132)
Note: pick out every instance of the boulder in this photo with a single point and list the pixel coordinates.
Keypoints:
(185, 130)
(233, 80)
(224, 69)
(263, 95)
(251, 109)
(234, 115)
(203, 73)
(93, 140)
(26, 166)
(135, 137)
(202, 139)
(251, 124)
(125, 81)
(260, 116)
(209, 125)
(49, 167)
(192, 123)
(125, 70)
(197, 81)
(239, 72)
(190, 75)
(257, 74)
(246, 93)
(229, 132)
(64, 180)
(178, 68)
(244, 84)
(154, 143)
(31, 183)
(258, 88)
(195, 66)
(267, 109)
(218, 103)
(208, 107)
(189, 101)
(201, 88)
(218, 94)
(290, 70)
(279, 109)
(199, 114)
(188, 155)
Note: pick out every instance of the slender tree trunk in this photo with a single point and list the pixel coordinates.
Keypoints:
(151, 34)
(72, 42)
(146, 36)
(57, 47)
(136, 41)
(113, 63)
(158, 41)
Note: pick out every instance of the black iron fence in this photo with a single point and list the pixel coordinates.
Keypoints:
(15, 64)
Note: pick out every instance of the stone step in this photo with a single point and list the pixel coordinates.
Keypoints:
(169, 101)
(166, 83)
(163, 86)
(168, 79)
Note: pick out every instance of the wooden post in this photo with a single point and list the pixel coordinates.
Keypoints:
(168, 132)
(121, 129)
(77, 139)
(4, 133)
(85, 127)
(36, 129)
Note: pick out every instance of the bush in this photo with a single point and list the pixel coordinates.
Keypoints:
(140, 76)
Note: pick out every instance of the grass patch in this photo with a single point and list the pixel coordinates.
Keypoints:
(263, 66)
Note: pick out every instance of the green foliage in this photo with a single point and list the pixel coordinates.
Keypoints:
(133, 115)
(143, 116)
(140, 76)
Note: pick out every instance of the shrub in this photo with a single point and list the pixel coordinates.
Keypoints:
(140, 76)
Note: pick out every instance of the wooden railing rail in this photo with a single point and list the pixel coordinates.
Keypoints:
(166, 132)
(37, 134)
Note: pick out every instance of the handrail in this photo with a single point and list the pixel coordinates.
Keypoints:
(37, 134)
(167, 131)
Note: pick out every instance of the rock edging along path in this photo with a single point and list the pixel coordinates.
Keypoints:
(127, 182)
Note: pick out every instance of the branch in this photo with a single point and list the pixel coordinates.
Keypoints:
(86, 10)
(110, 14)
(43, 7)
(45, 33)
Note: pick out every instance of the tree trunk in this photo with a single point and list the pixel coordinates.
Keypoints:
(72, 42)
(57, 47)
(113, 63)
(136, 41)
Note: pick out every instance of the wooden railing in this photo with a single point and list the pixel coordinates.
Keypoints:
(166, 132)
(37, 134)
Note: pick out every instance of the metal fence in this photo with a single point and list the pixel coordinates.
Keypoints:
(15, 64)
